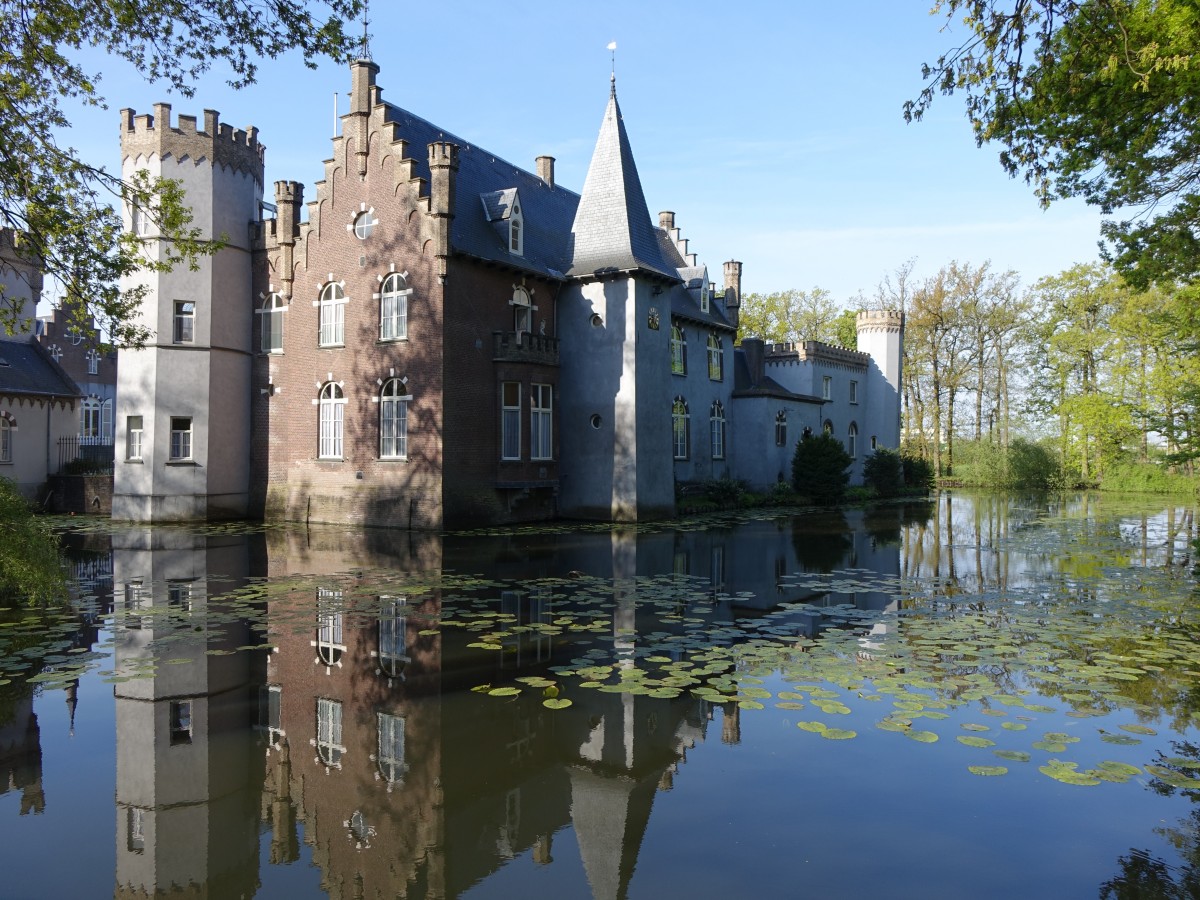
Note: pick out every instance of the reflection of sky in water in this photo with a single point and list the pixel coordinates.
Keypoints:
(346, 750)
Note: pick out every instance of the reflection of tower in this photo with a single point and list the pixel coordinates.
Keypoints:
(187, 808)
(21, 752)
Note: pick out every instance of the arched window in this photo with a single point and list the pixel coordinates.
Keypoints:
(393, 636)
(333, 315)
(90, 421)
(678, 351)
(680, 427)
(716, 358)
(827, 428)
(272, 324)
(781, 428)
(393, 420)
(522, 305)
(330, 642)
(332, 412)
(390, 754)
(852, 440)
(329, 732)
(6, 442)
(717, 427)
(516, 235)
(393, 308)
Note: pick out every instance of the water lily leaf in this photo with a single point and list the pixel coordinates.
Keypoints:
(1123, 740)
(987, 770)
(1014, 726)
(750, 704)
(923, 737)
(1138, 729)
(973, 741)
(556, 703)
(815, 727)
(971, 726)
(1013, 755)
(838, 734)
(507, 691)
(1067, 774)
(1050, 746)
(482, 645)
(789, 704)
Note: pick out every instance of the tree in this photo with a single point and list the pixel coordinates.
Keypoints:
(820, 468)
(790, 316)
(62, 206)
(1098, 99)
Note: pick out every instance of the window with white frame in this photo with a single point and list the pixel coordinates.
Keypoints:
(90, 420)
(716, 358)
(678, 351)
(75, 334)
(330, 641)
(185, 322)
(510, 420)
(390, 754)
(6, 441)
(181, 437)
(827, 428)
(717, 429)
(332, 308)
(393, 636)
(522, 305)
(133, 437)
(826, 388)
(541, 422)
(329, 732)
(781, 428)
(332, 408)
(516, 231)
(853, 391)
(393, 308)
(106, 421)
(93, 361)
(852, 440)
(704, 298)
(680, 428)
(135, 829)
(137, 220)
(393, 420)
(364, 224)
(271, 314)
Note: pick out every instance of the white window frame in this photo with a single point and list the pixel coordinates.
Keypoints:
(393, 636)
(331, 305)
(390, 748)
(510, 421)
(827, 387)
(393, 419)
(716, 358)
(183, 331)
(329, 732)
(181, 438)
(90, 421)
(6, 440)
(93, 361)
(678, 351)
(364, 224)
(134, 435)
(717, 430)
(680, 429)
(522, 304)
(393, 308)
(541, 421)
(331, 421)
(516, 231)
(852, 440)
(271, 316)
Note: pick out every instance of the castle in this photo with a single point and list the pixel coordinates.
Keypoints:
(449, 340)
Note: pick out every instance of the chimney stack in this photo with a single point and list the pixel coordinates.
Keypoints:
(666, 220)
(545, 169)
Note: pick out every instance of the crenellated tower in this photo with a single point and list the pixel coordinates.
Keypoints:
(183, 409)
(881, 334)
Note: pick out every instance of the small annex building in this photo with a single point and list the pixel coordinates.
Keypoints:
(439, 338)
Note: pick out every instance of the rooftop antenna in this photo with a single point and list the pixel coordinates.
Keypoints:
(612, 79)
(365, 53)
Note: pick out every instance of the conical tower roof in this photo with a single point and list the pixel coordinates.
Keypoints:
(612, 228)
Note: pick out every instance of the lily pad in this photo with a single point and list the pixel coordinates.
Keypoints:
(987, 770)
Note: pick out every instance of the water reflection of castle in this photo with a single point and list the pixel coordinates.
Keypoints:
(352, 737)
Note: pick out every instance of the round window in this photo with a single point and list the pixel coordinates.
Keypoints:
(364, 225)
(596, 420)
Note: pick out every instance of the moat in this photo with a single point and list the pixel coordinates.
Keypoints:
(982, 695)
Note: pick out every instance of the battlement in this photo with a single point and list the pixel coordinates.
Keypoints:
(443, 154)
(219, 143)
(816, 351)
(880, 320)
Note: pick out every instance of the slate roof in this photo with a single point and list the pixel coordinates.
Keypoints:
(27, 369)
(612, 228)
(743, 386)
(684, 306)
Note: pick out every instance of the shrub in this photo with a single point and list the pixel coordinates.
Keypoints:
(820, 468)
(30, 570)
(724, 491)
(918, 472)
(883, 472)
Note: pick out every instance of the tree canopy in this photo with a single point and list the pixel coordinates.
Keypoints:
(792, 316)
(62, 206)
(1098, 99)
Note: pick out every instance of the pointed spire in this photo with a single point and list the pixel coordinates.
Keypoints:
(612, 227)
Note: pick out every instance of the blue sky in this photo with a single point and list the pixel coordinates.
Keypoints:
(773, 130)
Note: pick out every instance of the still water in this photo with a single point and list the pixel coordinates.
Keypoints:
(982, 696)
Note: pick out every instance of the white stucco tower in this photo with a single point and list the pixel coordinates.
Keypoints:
(183, 401)
(881, 334)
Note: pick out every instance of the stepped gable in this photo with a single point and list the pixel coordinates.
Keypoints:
(547, 211)
(612, 229)
(220, 144)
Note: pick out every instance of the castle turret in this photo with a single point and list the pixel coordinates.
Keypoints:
(733, 290)
(881, 334)
(183, 401)
(443, 169)
(289, 198)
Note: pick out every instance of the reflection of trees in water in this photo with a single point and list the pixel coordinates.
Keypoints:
(822, 540)
(1143, 875)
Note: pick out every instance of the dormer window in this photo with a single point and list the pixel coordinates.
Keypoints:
(704, 299)
(516, 231)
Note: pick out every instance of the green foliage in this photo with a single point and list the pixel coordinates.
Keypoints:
(30, 568)
(1025, 465)
(918, 472)
(62, 206)
(1131, 477)
(1094, 100)
(820, 468)
(725, 491)
(790, 316)
(883, 472)
(845, 328)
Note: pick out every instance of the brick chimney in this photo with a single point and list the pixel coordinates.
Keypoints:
(545, 169)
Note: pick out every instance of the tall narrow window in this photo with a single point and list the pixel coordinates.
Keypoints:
(6, 441)
(330, 640)
(854, 392)
(185, 322)
(717, 427)
(679, 428)
(522, 305)
(332, 406)
(516, 236)
(93, 361)
(716, 358)
(704, 298)
(678, 351)
(272, 324)
(826, 387)
(333, 315)
(181, 721)
(781, 428)
(181, 437)
(393, 308)
(89, 421)
(541, 422)
(329, 732)
(106, 422)
(510, 420)
(393, 636)
(393, 420)
(133, 437)
(852, 440)
(390, 755)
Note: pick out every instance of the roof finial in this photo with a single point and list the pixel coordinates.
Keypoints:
(365, 53)
(612, 79)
